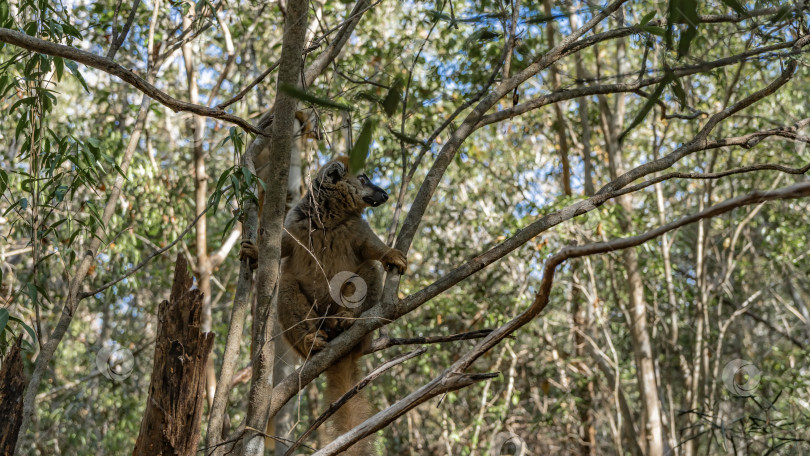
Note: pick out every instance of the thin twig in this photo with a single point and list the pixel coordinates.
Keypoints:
(333, 407)
(146, 260)
(386, 342)
(108, 66)
(247, 88)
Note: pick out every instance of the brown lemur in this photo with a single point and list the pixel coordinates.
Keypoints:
(326, 247)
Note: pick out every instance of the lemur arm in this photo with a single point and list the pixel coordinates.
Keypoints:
(370, 247)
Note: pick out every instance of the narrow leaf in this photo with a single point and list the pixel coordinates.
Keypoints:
(302, 95)
(3, 319)
(647, 18)
(359, 153)
(736, 6)
(392, 99)
(659, 89)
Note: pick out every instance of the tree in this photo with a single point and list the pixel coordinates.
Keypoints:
(614, 177)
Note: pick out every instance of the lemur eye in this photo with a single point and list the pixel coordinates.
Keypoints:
(363, 179)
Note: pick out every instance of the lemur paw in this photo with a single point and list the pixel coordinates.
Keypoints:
(395, 259)
(342, 320)
(250, 252)
(315, 342)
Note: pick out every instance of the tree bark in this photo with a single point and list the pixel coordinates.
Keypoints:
(12, 385)
(171, 422)
(559, 125)
(270, 229)
(204, 266)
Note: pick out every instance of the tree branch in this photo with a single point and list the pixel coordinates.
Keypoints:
(386, 342)
(109, 66)
(455, 371)
(351, 393)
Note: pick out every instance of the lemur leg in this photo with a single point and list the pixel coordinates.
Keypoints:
(299, 320)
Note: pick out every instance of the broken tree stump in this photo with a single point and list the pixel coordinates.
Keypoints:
(12, 386)
(171, 422)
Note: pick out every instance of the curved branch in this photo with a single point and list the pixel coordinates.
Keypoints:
(424, 393)
(603, 89)
(111, 67)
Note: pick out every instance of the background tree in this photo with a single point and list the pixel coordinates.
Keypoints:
(624, 183)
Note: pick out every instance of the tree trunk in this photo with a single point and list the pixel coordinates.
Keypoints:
(558, 112)
(285, 359)
(171, 422)
(204, 266)
(270, 229)
(12, 385)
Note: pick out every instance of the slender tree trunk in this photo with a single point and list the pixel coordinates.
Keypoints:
(285, 359)
(558, 112)
(269, 245)
(203, 263)
(639, 328)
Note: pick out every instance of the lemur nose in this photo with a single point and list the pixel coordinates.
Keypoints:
(385, 197)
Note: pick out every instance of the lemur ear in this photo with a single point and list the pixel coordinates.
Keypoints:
(335, 171)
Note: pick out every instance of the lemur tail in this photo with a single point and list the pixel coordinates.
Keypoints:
(340, 378)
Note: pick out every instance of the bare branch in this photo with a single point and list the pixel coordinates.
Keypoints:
(455, 371)
(248, 87)
(351, 393)
(109, 66)
(387, 342)
(146, 260)
(241, 303)
(118, 38)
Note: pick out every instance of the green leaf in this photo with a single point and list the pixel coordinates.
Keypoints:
(3, 15)
(3, 319)
(247, 175)
(736, 6)
(391, 100)
(71, 30)
(782, 13)
(59, 65)
(659, 89)
(29, 101)
(3, 181)
(438, 15)
(302, 95)
(686, 41)
(368, 96)
(677, 89)
(359, 153)
(27, 328)
(74, 69)
(480, 36)
(647, 18)
(541, 19)
(660, 31)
